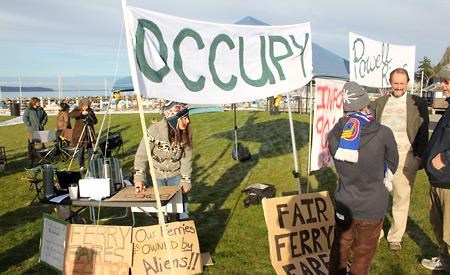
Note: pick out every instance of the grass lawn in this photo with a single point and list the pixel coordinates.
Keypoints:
(235, 236)
(5, 118)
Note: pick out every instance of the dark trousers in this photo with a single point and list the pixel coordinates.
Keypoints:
(80, 155)
(359, 240)
(440, 220)
(33, 154)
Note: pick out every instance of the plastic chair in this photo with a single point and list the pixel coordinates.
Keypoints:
(35, 183)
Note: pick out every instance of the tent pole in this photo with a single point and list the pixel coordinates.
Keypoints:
(133, 69)
(309, 134)
(235, 131)
(296, 172)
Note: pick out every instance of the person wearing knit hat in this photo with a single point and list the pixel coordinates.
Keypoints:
(407, 116)
(437, 166)
(355, 97)
(171, 147)
(63, 119)
(361, 149)
(444, 75)
(173, 111)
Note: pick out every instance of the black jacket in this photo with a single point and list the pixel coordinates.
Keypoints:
(439, 143)
(361, 189)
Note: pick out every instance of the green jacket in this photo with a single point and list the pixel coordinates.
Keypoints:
(417, 120)
(168, 160)
(34, 118)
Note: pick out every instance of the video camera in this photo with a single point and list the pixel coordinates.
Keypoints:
(90, 117)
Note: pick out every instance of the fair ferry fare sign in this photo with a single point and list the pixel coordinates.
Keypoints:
(207, 63)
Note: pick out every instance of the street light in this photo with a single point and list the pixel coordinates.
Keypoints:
(421, 82)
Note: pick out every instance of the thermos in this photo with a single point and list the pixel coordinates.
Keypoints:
(49, 181)
(107, 174)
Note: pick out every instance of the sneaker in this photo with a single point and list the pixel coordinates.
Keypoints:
(435, 263)
(182, 217)
(395, 246)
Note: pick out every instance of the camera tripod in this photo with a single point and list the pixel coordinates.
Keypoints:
(90, 136)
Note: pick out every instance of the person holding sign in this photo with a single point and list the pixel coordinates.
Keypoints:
(437, 166)
(361, 149)
(407, 116)
(171, 147)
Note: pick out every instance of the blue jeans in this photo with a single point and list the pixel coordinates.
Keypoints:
(80, 155)
(175, 181)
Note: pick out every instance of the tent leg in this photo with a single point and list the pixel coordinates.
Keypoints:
(296, 172)
(235, 131)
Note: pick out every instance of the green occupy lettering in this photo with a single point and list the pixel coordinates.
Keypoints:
(227, 86)
(302, 48)
(276, 59)
(193, 86)
(153, 75)
(266, 74)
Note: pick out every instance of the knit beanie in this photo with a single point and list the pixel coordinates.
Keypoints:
(355, 97)
(445, 72)
(173, 111)
(64, 106)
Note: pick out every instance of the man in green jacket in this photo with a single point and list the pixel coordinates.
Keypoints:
(34, 118)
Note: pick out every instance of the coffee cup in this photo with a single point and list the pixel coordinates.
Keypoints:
(73, 191)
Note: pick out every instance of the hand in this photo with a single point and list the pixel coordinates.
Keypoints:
(185, 189)
(437, 162)
(139, 186)
(186, 186)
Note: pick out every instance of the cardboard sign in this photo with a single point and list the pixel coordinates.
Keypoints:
(301, 232)
(98, 249)
(153, 255)
(52, 242)
(129, 194)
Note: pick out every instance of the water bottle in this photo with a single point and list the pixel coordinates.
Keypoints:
(107, 173)
(49, 181)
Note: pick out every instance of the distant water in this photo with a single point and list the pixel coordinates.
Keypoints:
(54, 94)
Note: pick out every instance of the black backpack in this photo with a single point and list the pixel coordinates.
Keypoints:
(243, 153)
(256, 192)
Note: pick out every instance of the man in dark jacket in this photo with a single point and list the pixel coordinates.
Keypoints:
(34, 119)
(362, 150)
(437, 166)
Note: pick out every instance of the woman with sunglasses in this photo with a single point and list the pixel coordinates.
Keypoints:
(171, 147)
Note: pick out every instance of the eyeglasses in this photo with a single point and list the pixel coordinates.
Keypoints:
(445, 81)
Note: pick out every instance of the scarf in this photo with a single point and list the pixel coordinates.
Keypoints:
(350, 137)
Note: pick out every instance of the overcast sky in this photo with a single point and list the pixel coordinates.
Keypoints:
(73, 38)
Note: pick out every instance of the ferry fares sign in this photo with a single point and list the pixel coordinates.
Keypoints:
(207, 63)
(301, 232)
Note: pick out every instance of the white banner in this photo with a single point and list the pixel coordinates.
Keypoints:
(328, 108)
(205, 63)
(371, 61)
